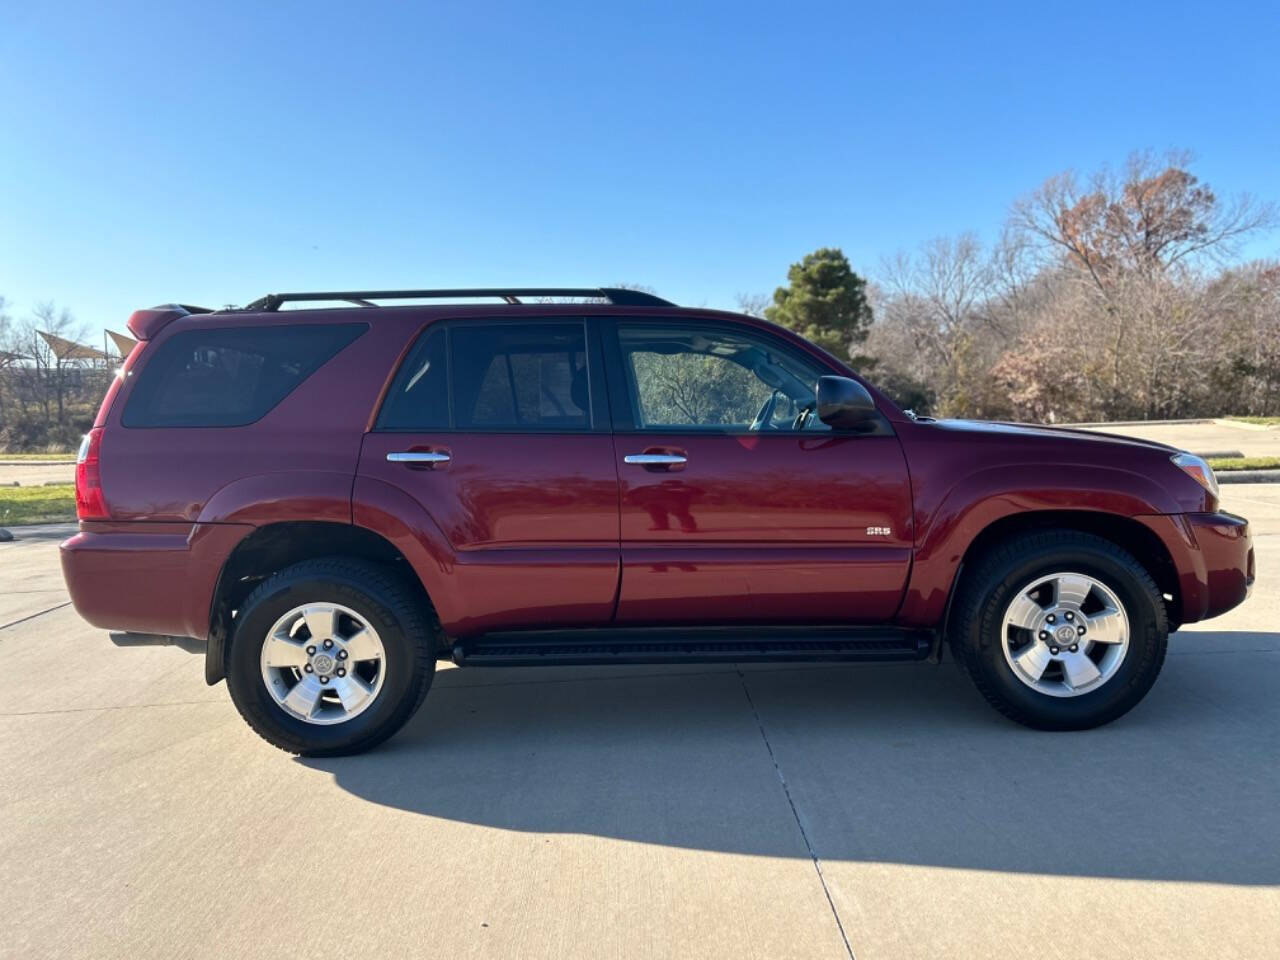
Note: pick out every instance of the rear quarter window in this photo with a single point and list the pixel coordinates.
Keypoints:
(230, 376)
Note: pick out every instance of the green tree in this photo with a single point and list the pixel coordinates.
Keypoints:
(825, 302)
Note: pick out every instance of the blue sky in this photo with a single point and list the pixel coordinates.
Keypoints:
(213, 152)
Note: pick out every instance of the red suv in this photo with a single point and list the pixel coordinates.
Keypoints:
(335, 498)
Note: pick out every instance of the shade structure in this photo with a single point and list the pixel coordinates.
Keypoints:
(124, 344)
(65, 349)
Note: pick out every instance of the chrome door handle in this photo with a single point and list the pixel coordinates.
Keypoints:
(418, 456)
(655, 459)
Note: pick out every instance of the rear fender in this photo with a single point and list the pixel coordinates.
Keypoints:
(280, 497)
(391, 513)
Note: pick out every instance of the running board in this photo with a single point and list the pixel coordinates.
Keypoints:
(622, 645)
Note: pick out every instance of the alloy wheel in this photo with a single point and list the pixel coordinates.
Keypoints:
(323, 663)
(1065, 634)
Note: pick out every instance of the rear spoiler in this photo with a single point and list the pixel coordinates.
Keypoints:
(145, 324)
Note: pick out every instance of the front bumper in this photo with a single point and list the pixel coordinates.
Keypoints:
(1214, 558)
(1230, 566)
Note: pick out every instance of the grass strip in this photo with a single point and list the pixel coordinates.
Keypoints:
(22, 505)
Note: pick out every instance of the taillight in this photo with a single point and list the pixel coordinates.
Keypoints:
(90, 502)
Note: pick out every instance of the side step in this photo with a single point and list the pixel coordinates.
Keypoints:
(622, 645)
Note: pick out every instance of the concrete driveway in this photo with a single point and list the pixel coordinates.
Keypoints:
(35, 473)
(1205, 437)
(876, 811)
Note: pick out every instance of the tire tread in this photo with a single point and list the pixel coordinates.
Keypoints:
(993, 568)
(418, 620)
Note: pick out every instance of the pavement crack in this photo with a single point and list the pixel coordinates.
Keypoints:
(14, 623)
(786, 790)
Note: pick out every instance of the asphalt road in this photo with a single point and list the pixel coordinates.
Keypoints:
(878, 811)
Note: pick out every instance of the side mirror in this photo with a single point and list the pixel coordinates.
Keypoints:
(844, 404)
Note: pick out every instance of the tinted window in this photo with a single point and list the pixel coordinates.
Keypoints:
(230, 376)
(521, 376)
(503, 376)
(419, 396)
(690, 378)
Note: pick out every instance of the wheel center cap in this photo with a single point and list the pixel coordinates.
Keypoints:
(322, 663)
(1065, 635)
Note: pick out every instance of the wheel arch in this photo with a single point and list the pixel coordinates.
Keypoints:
(1125, 532)
(274, 546)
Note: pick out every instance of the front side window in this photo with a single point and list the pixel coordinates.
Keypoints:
(686, 378)
(230, 376)
(499, 376)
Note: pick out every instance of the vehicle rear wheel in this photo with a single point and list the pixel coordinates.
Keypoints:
(1060, 630)
(330, 657)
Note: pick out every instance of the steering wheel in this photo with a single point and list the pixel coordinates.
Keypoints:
(802, 418)
(764, 419)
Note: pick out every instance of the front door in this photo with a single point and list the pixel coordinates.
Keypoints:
(499, 431)
(737, 504)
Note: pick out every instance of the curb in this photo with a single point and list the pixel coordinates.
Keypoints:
(52, 530)
(1247, 476)
(1242, 425)
(1134, 423)
(37, 463)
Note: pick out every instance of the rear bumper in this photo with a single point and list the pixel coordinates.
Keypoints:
(148, 577)
(1213, 554)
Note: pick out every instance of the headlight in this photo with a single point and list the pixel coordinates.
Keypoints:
(1195, 466)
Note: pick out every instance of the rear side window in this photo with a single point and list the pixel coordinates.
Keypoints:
(230, 376)
(502, 377)
(419, 395)
(521, 377)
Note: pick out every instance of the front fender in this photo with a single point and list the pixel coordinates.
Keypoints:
(945, 530)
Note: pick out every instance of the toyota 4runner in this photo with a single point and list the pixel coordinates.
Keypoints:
(333, 498)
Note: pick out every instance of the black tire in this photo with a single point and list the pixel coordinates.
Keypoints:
(405, 624)
(985, 593)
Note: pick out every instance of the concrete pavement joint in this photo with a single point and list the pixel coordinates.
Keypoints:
(14, 623)
(125, 706)
(1218, 653)
(786, 790)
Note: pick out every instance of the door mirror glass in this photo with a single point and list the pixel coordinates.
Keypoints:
(844, 404)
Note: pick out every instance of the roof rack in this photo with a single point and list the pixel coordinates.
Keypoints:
(617, 296)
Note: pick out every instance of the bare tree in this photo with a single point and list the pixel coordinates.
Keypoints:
(1244, 304)
(753, 304)
(54, 363)
(1141, 245)
(950, 301)
(1152, 217)
(7, 357)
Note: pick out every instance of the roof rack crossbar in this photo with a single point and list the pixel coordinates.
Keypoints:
(617, 296)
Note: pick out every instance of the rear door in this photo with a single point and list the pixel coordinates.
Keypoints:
(738, 506)
(499, 430)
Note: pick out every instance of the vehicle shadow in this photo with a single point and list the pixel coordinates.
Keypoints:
(895, 763)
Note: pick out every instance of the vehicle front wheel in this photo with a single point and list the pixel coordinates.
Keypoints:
(1060, 630)
(330, 657)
